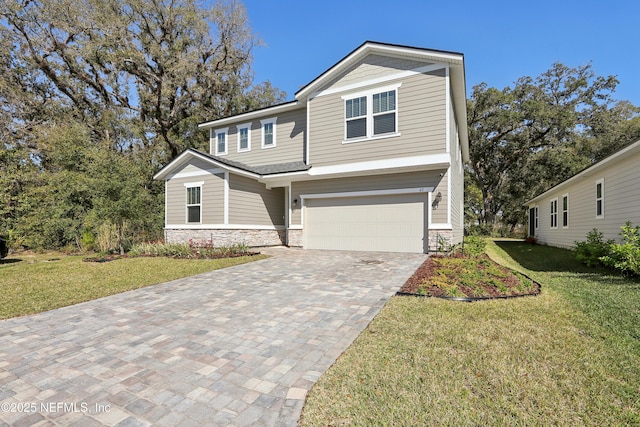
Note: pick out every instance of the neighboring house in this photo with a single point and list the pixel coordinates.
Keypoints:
(369, 156)
(603, 196)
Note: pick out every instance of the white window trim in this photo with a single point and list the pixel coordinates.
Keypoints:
(188, 185)
(566, 195)
(248, 127)
(601, 182)
(264, 122)
(369, 116)
(551, 213)
(225, 132)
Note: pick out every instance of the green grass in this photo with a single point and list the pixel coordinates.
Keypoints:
(570, 356)
(35, 283)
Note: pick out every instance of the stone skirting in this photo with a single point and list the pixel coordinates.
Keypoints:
(294, 238)
(226, 237)
(440, 240)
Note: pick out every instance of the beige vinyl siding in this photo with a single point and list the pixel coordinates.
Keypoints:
(621, 204)
(290, 140)
(421, 106)
(456, 174)
(212, 198)
(251, 203)
(194, 165)
(374, 67)
(370, 183)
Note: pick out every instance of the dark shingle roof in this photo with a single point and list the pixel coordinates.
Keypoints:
(259, 170)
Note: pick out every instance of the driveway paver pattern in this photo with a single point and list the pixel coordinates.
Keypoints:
(239, 346)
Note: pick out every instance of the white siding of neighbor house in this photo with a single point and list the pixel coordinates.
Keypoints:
(621, 203)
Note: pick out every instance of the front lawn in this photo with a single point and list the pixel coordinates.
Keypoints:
(35, 283)
(570, 356)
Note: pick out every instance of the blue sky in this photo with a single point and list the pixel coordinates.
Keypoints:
(501, 40)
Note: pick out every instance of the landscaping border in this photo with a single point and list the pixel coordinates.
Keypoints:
(473, 299)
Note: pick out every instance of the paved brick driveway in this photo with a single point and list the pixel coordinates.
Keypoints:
(239, 346)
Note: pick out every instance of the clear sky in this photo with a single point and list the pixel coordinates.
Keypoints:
(502, 40)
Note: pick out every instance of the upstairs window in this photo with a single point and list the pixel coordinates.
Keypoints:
(268, 133)
(371, 114)
(356, 116)
(565, 210)
(194, 203)
(244, 137)
(384, 112)
(221, 141)
(554, 213)
(600, 198)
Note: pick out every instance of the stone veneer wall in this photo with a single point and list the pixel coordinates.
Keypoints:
(294, 237)
(227, 237)
(439, 237)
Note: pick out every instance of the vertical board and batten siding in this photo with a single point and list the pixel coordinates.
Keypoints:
(212, 196)
(421, 106)
(290, 140)
(621, 204)
(251, 203)
(370, 183)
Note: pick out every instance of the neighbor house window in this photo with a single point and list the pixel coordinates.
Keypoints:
(565, 210)
(268, 133)
(221, 141)
(194, 202)
(535, 210)
(244, 137)
(600, 198)
(371, 114)
(554, 213)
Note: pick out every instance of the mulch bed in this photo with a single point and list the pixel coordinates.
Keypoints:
(419, 283)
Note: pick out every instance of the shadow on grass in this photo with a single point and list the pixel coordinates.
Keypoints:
(9, 260)
(544, 258)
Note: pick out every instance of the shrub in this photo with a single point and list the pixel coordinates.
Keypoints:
(474, 246)
(625, 256)
(591, 251)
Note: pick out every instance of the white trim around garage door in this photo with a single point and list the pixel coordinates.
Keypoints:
(361, 194)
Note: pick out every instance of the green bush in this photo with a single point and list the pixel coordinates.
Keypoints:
(591, 251)
(626, 255)
(474, 246)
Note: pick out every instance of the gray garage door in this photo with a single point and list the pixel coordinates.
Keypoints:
(390, 223)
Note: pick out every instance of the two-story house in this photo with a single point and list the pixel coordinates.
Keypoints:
(369, 156)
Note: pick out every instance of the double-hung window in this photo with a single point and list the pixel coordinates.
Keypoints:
(371, 114)
(565, 211)
(244, 137)
(268, 132)
(221, 141)
(194, 202)
(600, 198)
(356, 117)
(536, 217)
(554, 213)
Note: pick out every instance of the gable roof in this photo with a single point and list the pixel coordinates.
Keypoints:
(622, 153)
(231, 165)
(454, 60)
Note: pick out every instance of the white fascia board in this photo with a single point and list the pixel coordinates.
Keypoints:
(380, 49)
(165, 172)
(442, 159)
(223, 227)
(593, 169)
(252, 115)
(367, 193)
